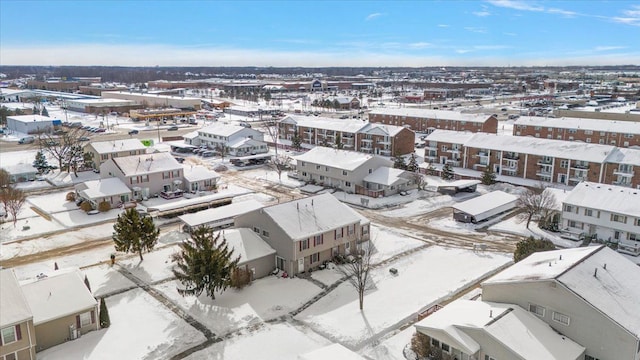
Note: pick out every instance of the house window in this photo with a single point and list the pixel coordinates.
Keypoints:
(256, 230)
(619, 218)
(339, 233)
(321, 177)
(568, 208)
(347, 183)
(175, 173)
(134, 180)
(166, 174)
(370, 171)
(536, 309)
(572, 131)
(588, 132)
(104, 157)
(446, 348)
(637, 222)
(304, 173)
(326, 168)
(435, 343)
(365, 229)
(85, 319)
(317, 167)
(9, 334)
(351, 229)
(265, 233)
(12, 356)
(144, 178)
(588, 212)
(304, 244)
(561, 318)
(487, 357)
(564, 164)
(315, 257)
(303, 163)
(344, 172)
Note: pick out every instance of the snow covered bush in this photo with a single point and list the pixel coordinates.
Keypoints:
(104, 206)
(86, 206)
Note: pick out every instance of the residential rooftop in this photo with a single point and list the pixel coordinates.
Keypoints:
(335, 158)
(624, 127)
(433, 114)
(15, 308)
(114, 146)
(146, 164)
(612, 198)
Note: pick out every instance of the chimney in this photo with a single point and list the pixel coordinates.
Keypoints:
(298, 206)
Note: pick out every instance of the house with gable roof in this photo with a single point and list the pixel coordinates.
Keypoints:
(236, 140)
(17, 333)
(102, 151)
(307, 232)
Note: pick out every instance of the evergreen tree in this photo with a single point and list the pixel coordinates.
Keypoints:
(134, 233)
(35, 110)
(447, 172)
(205, 263)
(488, 176)
(296, 143)
(528, 246)
(86, 282)
(399, 163)
(40, 163)
(44, 111)
(413, 163)
(105, 322)
(339, 144)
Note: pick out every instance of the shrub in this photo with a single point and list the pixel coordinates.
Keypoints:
(105, 321)
(86, 206)
(104, 206)
(240, 278)
(420, 345)
(71, 196)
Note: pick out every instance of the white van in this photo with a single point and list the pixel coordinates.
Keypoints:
(27, 140)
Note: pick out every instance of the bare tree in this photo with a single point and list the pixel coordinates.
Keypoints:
(12, 199)
(357, 271)
(63, 148)
(222, 150)
(534, 203)
(279, 162)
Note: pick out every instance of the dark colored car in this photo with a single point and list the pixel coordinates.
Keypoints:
(133, 132)
(172, 128)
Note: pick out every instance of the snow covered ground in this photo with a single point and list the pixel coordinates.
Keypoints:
(515, 226)
(141, 328)
(272, 177)
(418, 284)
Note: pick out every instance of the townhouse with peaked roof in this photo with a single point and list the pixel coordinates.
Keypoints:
(17, 333)
(348, 134)
(605, 212)
(147, 175)
(236, 140)
(110, 190)
(622, 166)
(102, 151)
(587, 294)
(425, 120)
(597, 131)
(340, 169)
(307, 232)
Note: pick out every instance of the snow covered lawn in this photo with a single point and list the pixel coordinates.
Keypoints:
(265, 299)
(393, 347)
(53, 202)
(105, 279)
(389, 242)
(141, 328)
(423, 278)
(514, 226)
(156, 265)
(278, 341)
(269, 175)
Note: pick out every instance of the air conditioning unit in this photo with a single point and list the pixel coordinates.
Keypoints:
(73, 332)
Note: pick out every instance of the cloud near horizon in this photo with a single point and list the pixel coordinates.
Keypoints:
(373, 16)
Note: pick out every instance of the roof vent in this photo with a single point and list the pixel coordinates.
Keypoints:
(604, 266)
(595, 272)
(490, 313)
(560, 256)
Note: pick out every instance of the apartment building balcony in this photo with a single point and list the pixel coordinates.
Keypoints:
(453, 151)
(366, 147)
(624, 173)
(580, 166)
(347, 146)
(347, 136)
(624, 183)
(385, 152)
(367, 140)
(361, 190)
(483, 154)
(577, 178)
(544, 173)
(383, 142)
(291, 129)
(453, 162)
(431, 147)
(480, 165)
(544, 163)
(510, 156)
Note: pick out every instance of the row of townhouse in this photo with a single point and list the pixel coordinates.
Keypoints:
(549, 161)
(44, 312)
(605, 212)
(235, 140)
(353, 172)
(571, 304)
(597, 131)
(426, 121)
(348, 134)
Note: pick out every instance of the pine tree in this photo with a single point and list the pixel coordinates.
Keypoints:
(40, 163)
(488, 176)
(134, 233)
(413, 163)
(204, 263)
(86, 282)
(447, 172)
(296, 143)
(105, 322)
(44, 111)
(399, 163)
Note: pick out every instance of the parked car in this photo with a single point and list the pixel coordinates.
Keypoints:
(27, 140)
(245, 124)
(133, 132)
(208, 153)
(172, 128)
(83, 138)
(101, 130)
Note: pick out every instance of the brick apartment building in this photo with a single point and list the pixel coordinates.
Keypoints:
(423, 120)
(606, 132)
(385, 140)
(544, 160)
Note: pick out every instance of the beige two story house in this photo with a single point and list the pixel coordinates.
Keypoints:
(101, 151)
(17, 333)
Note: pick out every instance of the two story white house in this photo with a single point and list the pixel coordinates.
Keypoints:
(236, 140)
(607, 212)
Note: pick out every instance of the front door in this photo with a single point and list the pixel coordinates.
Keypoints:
(280, 264)
(562, 178)
(301, 265)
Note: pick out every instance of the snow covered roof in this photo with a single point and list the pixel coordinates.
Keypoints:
(627, 156)
(221, 129)
(614, 290)
(191, 135)
(333, 351)
(433, 114)
(450, 136)
(624, 127)
(246, 243)
(102, 188)
(459, 184)
(486, 202)
(341, 159)
(31, 118)
(616, 199)
(381, 129)
(559, 194)
(146, 164)
(514, 328)
(61, 294)
(386, 176)
(199, 173)
(222, 212)
(114, 146)
(245, 142)
(344, 125)
(15, 308)
(310, 216)
(541, 147)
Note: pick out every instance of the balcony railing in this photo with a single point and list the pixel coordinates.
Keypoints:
(510, 156)
(367, 140)
(625, 173)
(580, 166)
(622, 183)
(482, 154)
(544, 173)
(544, 163)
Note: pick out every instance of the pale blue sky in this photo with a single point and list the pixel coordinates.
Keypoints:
(327, 33)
